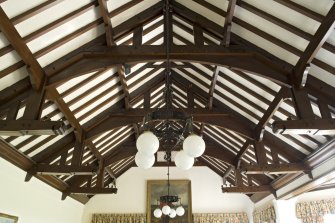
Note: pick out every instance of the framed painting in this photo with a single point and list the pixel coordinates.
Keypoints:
(5, 218)
(158, 188)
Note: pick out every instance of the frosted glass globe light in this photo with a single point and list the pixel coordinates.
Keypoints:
(172, 213)
(194, 145)
(183, 161)
(180, 211)
(158, 213)
(144, 161)
(166, 209)
(147, 143)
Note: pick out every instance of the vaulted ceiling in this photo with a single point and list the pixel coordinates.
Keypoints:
(257, 76)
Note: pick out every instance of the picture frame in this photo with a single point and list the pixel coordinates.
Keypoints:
(5, 218)
(181, 188)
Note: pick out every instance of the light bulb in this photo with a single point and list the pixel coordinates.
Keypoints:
(144, 161)
(183, 161)
(180, 211)
(166, 209)
(158, 213)
(172, 213)
(147, 143)
(194, 145)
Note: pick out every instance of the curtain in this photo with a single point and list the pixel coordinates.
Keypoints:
(313, 211)
(265, 215)
(118, 218)
(221, 218)
(197, 218)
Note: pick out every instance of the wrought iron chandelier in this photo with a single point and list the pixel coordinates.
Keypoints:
(168, 204)
(167, 128)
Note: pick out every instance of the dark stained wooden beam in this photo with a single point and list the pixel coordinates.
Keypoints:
(238, 178)
(198, 35)
(237, 57)
(36, 72)
(315, 86)
(91, 190)
(52, 94)
(242, 151)
(212, 87)
(214, 117)
(260, 152)
(190, 97)
(248, 190)
(227, 173)
(305, 126)
(101, 175)
(325, 29)
(284, 168)
(78, 152)
(46, 169)
(324, 109)
(138, 36)
(282, 95)
(228, 23)
(122, 77)
(31, 127)
(107, 22)
(93, 149)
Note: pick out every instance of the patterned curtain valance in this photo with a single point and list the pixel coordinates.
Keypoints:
(265, 215)
(221, 218)
(198, 218)
(118, 218)
(313, 211)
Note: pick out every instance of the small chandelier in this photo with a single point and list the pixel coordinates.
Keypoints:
(168, 203)
(166, 128)
(169, 139)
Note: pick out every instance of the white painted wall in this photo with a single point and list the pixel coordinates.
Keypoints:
(207, 196)
(34, 201)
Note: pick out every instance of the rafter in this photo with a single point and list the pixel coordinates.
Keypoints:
(242, 151)
(46, 169)
(108, 24)
(91, 190)
(214, 117)
(31, 127)
(227, 173)
(237, 57)
(275, 168)
(314, 85)
(36, 72)
(325, 29)
(282, 95)
(53, 95)
(305, 126)
(249, 189)
(228, 22)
